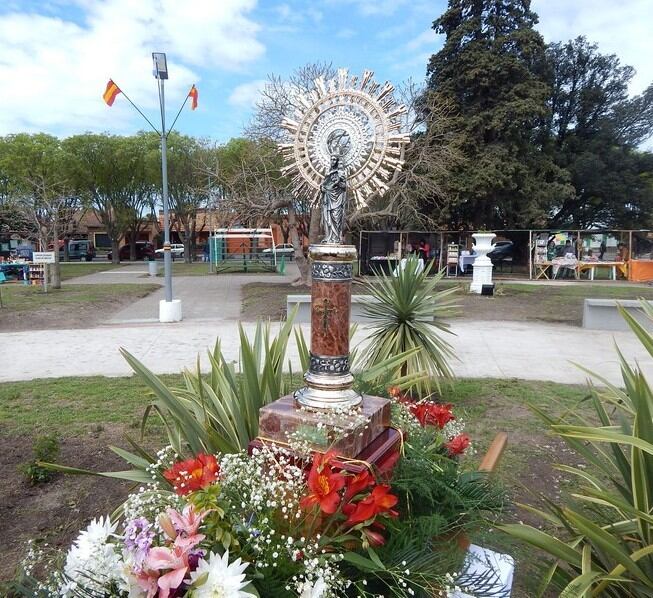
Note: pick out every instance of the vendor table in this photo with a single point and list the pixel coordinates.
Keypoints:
(16, 267)
(613, 266)
(466, 260)
(384, 263)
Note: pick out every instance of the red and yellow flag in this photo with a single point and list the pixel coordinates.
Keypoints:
(110, 92)
(193, 95)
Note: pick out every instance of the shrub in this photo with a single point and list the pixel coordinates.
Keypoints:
(46, 448)
(407, 314)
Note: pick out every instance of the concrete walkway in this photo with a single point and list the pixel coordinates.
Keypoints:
(203, 298)
(527, 350)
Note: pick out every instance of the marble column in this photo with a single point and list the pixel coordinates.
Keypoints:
(328, 380)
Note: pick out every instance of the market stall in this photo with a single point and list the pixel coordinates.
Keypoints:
(641, 260)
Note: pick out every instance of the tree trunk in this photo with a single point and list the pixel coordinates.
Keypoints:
(56, 267)
(132, 245)
(314, 226)
(115, 251)
(298, 244)
(188, 248)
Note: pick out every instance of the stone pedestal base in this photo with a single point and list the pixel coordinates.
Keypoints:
(170, 311)
(482, 275)
(347, 434)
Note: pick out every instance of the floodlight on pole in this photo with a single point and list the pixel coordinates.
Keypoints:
(169, 310)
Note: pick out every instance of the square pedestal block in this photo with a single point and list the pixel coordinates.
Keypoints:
(346, 434)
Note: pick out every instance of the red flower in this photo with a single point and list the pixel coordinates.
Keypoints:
(379, 501)
(357, 484)
(193, 474)
(324, 485)
(458, 444)
(432, 414)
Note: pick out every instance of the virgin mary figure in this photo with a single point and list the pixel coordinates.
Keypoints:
(334, 202)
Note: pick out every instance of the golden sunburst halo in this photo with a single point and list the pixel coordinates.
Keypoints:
(359, 120)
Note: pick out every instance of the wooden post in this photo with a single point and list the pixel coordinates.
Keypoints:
(493, 455)
(531, 251)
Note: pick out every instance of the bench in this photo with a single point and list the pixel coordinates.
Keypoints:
(602, 314)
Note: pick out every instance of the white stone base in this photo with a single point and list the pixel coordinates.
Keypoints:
(170, 311)
(482, 275)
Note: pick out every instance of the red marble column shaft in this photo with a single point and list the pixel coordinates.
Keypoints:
(330, 311)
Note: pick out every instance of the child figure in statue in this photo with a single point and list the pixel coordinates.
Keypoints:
(334, 202)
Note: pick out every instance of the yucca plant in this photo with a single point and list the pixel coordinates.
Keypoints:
(602, 540)
(407, 314)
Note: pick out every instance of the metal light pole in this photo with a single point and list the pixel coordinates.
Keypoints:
(171, 311)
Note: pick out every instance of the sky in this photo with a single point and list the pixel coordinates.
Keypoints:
(56, 56)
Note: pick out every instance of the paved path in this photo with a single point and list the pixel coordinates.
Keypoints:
(527, 350)
(203, 298)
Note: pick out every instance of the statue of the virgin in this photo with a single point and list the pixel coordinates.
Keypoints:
(334, 202)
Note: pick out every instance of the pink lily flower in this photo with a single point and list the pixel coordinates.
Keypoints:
(188, 522)
(173, 559)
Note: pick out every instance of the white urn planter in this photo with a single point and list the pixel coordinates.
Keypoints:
(482, 264)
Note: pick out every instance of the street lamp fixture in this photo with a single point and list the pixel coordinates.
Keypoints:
(160, 70)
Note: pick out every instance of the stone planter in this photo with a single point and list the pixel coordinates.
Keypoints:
(482, 264)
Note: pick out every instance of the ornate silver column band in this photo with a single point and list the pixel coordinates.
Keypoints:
(331, 271)
(329, 365)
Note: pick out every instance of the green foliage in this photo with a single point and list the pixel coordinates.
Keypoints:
(594, 130)
(406, 314)
(492, 71)
(46, 448)
(603, 540)
(219, 412)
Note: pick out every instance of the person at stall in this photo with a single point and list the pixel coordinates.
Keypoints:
(623, 255)
(602, 250)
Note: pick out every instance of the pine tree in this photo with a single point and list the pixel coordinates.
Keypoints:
(492, 68)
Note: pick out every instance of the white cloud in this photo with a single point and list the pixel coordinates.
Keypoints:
(245, 95)
(54, 70)
(346, 33)
(621, 28)
(373, 7)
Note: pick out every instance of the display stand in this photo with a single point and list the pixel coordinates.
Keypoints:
(37, 274)
(453, 253)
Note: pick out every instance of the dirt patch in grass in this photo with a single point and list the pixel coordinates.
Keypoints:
(54, 512)
(562, 304)
(72, 306)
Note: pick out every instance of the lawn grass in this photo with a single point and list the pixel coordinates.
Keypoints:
(21, 298)
(560, 303)
(71, 405)
(74, 269)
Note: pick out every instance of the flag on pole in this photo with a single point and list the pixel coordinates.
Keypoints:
(110, 92)
(193, 94)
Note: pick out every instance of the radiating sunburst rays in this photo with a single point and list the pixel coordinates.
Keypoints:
(359, 120)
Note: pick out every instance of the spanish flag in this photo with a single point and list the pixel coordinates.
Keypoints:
(193, 94)
(110, 93)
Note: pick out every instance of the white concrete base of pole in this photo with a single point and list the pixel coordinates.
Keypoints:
(170, 311)
(482, 274)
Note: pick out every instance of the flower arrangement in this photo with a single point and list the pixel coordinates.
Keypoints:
(279, 522)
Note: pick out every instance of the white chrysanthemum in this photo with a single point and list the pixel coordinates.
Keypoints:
(217, 578)
(316, 590)
(93, 562)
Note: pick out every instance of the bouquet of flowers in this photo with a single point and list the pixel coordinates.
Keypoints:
(279, 522)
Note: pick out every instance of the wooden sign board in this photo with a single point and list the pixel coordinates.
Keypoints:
(43, 257)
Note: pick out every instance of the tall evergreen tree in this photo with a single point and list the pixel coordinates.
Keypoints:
(595, 129)
(492, 69)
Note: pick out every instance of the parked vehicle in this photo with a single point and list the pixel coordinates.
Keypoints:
(144, 251)
(502, 251)
(176, 249)
(81, 249)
